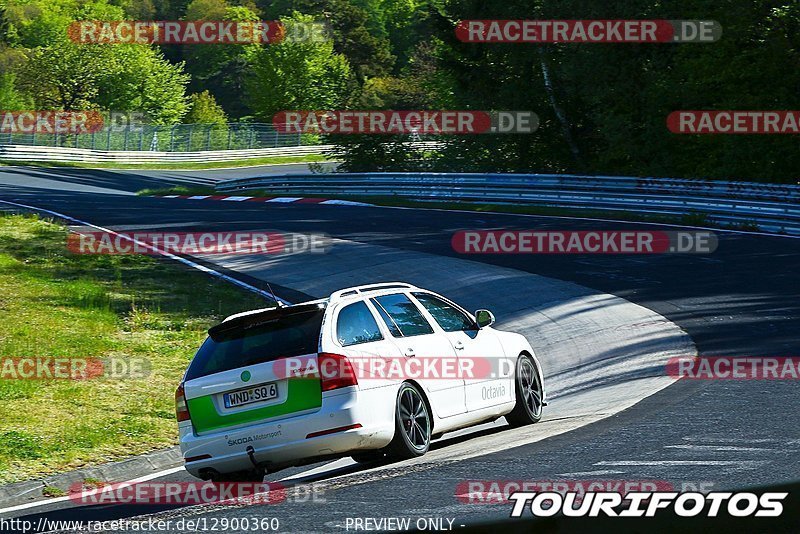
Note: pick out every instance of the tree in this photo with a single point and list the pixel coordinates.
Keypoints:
(5, 27)
(139, 9)
(221, 68)
(376, 153)
(203, 109)
(153, 86)
(303, 75)
(603, 107)
(70, 76)
(206, 10)
(36, 23)
(10, 97)
(62, 76)
(368, 51)
(408, 25)
(357, 30)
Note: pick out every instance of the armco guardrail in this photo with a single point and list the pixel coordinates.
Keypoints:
(82, 155)
(772, 207)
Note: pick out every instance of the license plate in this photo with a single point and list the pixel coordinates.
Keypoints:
(251, 395)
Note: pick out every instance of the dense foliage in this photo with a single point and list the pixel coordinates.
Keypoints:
(602, 107)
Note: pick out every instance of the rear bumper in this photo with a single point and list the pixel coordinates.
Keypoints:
(284, 442)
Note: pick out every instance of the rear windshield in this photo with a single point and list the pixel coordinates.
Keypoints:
(293, 335)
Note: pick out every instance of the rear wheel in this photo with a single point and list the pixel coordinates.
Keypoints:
(412, 436)
(529, 393)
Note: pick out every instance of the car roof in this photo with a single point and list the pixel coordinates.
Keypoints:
(384, 287)
(349, 293)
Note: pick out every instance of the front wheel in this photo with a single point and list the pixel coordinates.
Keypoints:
(412, 435)
(529, 393)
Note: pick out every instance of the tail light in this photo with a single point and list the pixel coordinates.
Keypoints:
(336, 371)
(181, 410)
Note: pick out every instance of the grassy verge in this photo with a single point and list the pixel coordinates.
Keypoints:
(691, 219)
(271, 160)
(57, 304)
(178, 190)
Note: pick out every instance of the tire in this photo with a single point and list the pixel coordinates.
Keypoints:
(528, 390)
(412, 423)
(367, 457)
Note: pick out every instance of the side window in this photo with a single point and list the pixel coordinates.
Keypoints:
(356, 325)
(401, 316)
(449, 318)
(390, 324)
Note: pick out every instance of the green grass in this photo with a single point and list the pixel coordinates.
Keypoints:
(178, 190)
(270, 160)
(52, 491)
(57, 304)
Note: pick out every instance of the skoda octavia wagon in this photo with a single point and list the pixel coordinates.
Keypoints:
(370, 372)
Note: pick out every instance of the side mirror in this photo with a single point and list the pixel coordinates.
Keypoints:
(484, 318)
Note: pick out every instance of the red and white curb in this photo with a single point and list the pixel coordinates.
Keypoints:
(280, 200)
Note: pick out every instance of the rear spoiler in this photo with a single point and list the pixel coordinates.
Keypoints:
(266, 316)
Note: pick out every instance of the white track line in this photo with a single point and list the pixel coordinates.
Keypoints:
(165, 254)
(270, 295)
(157, 250)
(285, 199)
(672, 463)
(36, 504)
(168, 255)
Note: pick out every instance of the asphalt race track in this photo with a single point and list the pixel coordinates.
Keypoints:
(742, 300)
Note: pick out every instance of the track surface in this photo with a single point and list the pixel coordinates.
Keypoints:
(742, 300)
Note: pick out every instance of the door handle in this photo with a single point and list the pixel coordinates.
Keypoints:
(410, 353)
(459, 345)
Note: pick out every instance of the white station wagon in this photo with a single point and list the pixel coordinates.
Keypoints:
(371, 372)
